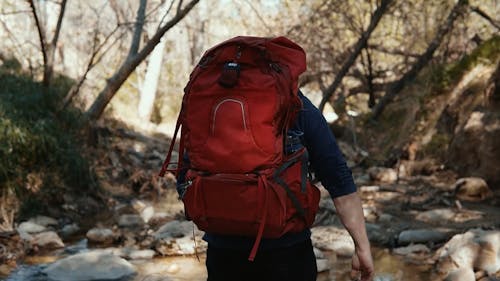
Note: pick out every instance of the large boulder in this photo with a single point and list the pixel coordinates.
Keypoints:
(95, 265)
(474, 148)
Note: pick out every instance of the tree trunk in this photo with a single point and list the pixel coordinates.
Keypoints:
(360, 45)
(422, 61)
(150, 86)
(48, 50)
(116, 81)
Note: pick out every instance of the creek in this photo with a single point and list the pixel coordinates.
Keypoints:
(389, 267)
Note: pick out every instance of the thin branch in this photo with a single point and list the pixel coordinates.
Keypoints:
(41, 31)
(483, 14)
(258, 15)
(96, 50)
(15, 12)
(59, 24)
(397, 52)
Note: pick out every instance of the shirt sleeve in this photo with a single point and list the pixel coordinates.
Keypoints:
(326, 159)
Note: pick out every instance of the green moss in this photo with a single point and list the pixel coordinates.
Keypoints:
(442, 76)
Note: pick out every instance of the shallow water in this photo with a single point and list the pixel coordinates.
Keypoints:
(388, 267)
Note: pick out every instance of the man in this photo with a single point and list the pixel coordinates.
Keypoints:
(291, 256)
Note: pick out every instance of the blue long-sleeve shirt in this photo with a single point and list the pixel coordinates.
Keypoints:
(328, 164)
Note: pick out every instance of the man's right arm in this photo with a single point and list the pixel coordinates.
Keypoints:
(350, 212)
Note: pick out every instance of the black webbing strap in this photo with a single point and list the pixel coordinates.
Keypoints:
(303, 158)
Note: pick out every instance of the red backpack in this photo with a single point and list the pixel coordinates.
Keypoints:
(238, 105)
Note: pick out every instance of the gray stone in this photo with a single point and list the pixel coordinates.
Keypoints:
(44, 221)
(48, 239)
(30, 227)
(141, 254)
(69, 230)
(382, 174)
(147, 213)
(423, 236)
(461, 274)
(411, 249)
(100, 235)
(89, 266)
(323, 265)
(130, 221)
(472, 189)
(437, 215)
(176, 229)
(334, 239)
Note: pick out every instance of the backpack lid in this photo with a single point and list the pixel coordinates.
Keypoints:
(277, 49)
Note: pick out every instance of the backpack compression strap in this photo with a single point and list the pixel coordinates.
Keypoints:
(263, 184)
(167, 162)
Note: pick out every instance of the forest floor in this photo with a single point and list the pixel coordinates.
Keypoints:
(127, 163)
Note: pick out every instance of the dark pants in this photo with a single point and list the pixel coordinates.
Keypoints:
(296, 263)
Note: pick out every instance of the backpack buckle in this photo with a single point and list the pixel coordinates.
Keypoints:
(230, 74)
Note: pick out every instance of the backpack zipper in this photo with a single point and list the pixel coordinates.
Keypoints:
(216, 108)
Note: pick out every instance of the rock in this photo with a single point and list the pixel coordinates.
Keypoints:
(318, 253)
(138, 205)
(130, 221)
(141, 254)
(385, 218)
(436, 216)
(30, 227)
(5, 270)
(44, 221)
(476, 249)
(488, 258)
(423, 236)
(89, 266)
(411, 249)
(382, 174)
(159, 218)
(48, 239)
(147, 213)
(461, 274)
(332, 238)
(377, 234)
(69, 230)
(369, 188)
(472, 189)
(176, 229)
(100, 235)
(323, 265)
(176, 238)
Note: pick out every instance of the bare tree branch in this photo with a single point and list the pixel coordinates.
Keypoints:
(357, 50)
(40, 29)
(51, 48)
(94, 59)
(116, 81)
(385, 50)
(422, 61)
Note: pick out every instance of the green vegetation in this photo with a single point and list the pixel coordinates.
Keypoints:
(443, 76)
(40, 155)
